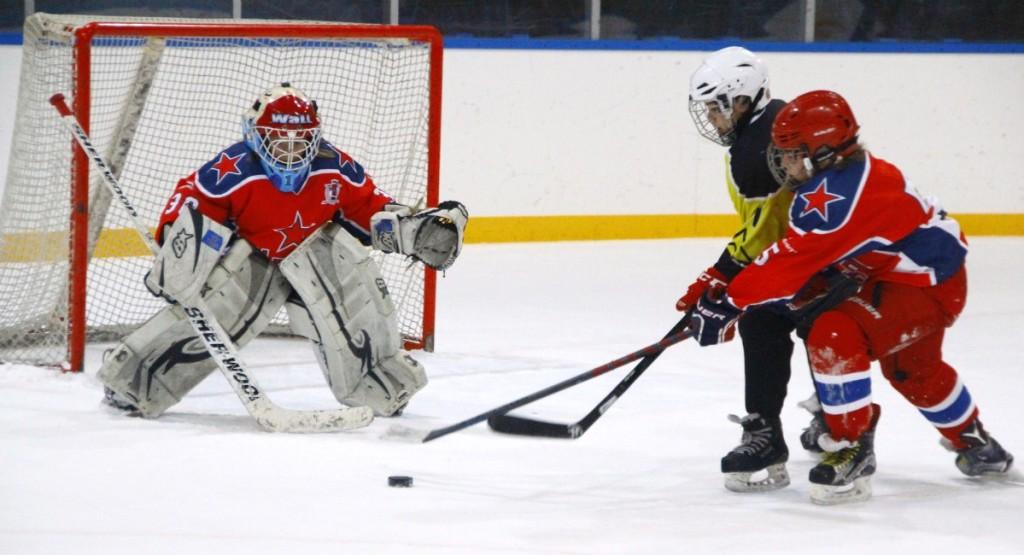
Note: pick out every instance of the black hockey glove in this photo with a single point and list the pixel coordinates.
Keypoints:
(714, 320)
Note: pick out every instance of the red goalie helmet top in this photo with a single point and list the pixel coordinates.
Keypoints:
(286, 108)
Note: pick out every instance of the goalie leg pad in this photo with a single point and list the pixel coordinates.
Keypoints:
(341, 303)
(160, 362)
(389, 385)
(192, 248)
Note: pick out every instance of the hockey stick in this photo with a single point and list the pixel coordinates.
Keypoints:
(218, 343)
(519, 425)
(423, 436)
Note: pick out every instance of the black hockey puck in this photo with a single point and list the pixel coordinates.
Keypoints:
(400, 481)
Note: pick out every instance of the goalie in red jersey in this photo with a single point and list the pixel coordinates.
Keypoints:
(301, 212)
(896, 260)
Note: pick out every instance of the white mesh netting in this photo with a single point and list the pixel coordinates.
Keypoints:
(373, 95)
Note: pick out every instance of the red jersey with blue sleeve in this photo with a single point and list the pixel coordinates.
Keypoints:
(865, 210)
(233, 189)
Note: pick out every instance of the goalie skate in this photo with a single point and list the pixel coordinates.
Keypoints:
(758, 463)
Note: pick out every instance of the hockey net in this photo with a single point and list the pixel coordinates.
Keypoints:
(159, 98)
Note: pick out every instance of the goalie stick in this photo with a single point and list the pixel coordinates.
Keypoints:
(422, 436)
(218, 343)
(519, 425)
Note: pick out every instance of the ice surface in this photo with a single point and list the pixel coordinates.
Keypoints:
(512, 319)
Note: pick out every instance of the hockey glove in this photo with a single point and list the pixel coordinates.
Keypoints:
(714, 320)
(433, 236)
(710, 279)
(826, 289)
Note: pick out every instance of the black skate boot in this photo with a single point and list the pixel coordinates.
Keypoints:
(817, 428)
(844, 473)
(762, 450)
(983, 455)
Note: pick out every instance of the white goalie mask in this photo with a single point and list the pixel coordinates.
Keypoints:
(724, 76)
(283, 129)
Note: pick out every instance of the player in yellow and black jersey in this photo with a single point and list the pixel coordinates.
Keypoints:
(731, 105)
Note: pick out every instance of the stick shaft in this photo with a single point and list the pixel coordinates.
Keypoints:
(518, 425)
(565, 384)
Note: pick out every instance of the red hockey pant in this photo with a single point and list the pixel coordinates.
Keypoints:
(902, 327)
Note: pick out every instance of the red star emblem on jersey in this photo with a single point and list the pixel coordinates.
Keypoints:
(226, 165)
(292, 235)
(819, 199)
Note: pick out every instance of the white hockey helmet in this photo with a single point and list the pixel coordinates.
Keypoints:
(283, 129)
(725, 75)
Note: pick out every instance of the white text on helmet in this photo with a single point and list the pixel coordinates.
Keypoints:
(291, 118)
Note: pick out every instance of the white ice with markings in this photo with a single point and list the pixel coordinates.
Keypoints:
(512, 319)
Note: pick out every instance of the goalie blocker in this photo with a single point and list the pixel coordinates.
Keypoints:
(334, 294)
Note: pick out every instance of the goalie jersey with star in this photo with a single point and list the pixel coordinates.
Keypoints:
(233, 188)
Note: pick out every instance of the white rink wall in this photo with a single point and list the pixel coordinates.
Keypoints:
(596, 132)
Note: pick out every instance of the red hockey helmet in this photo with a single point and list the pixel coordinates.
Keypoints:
(818, 127)
(283, 128)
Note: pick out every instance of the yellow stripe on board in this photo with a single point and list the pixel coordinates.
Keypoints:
(52, 246)
(978, 225)
(125, 242)
(517, 229)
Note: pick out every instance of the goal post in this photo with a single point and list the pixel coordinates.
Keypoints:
(159, 98)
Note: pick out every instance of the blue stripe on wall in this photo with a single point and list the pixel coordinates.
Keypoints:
(675, 44)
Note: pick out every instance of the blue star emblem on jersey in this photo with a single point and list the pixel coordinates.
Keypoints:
(293, 234)
(818, 200)
(226, 165)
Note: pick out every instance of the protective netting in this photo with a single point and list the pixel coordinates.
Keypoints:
(373, 96)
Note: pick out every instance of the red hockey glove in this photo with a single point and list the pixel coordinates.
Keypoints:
(709, 279)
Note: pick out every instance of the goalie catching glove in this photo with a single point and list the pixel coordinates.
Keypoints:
(432, 236)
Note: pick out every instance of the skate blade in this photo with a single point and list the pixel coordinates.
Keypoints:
(859, 490)
(1004, 473)
(771, 478)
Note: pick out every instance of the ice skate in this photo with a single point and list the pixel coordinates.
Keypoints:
(844, 473)
(817, 427)
(758, 463)
(118, 403)
(983, 455)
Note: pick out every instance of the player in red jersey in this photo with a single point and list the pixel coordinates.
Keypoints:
(301, 212)
(854, 216)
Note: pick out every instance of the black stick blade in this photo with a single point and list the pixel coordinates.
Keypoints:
(514, 425)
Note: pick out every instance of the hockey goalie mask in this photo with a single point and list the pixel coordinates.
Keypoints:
(283, 129)
(723, 77)
(811, 133)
